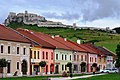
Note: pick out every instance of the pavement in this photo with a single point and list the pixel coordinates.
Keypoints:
(77, 77)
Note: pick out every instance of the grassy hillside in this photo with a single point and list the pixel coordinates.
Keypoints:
(100, 38)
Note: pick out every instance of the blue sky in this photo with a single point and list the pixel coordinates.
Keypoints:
(93, 13)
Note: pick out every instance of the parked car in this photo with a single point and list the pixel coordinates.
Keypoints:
(113, 70)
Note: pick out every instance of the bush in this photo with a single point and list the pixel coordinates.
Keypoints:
(64, 74)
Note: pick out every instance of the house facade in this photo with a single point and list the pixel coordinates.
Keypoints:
(17, 55)
(15, 49)
(79, 55)
(101, 57)
(62, 53)
(78, 59)
(48, 56)
(62, 57)
(91, 56)
(43, 52)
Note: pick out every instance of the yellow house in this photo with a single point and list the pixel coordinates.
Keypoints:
(35, 59)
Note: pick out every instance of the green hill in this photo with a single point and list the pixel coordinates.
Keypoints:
(101, 38)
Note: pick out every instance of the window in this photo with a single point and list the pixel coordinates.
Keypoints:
(81, 57)
(46, 55)
(62, 56)
(77, 57)
(65, 57)
(17, 65)
(70, 57)
(8, 67)
(17, 50)
(51, 55)
(1, 48)
(65, 67)
(8, 49)
(34, 54)
(95, 59)
(56, 56)
(85, 57)
(100, 59)
(24, 50)
(62, 67)
(38, 55)
(43, 54)
(74, 57)
(90, 59)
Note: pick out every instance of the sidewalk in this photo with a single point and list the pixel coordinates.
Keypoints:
(68, 78)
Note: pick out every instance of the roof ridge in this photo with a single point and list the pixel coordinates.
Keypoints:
(76, 44)
(53, 39)
(64, 44)
(109, 50)
(41, 38)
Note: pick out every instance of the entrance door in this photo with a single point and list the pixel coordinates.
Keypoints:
(8, 67)
(36, 68)
(24, 67)
(57, 69)
(46, 69)
(51, 68)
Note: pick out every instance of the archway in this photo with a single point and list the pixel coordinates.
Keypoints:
(24, 67)
(83, 66)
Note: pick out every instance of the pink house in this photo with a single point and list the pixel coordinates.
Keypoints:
(91, 56)
(44, 51)
(48, 56)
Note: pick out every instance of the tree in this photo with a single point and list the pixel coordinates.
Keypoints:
(3, 63)
(118, 57)
(42, 64)
(69, 64)
(83, 65)
(94, 65)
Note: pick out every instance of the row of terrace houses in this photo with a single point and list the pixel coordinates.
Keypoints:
(24, 49)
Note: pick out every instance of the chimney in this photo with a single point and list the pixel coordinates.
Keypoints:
(57, 35)
(52, 36)
(78, 41)
(65, 39)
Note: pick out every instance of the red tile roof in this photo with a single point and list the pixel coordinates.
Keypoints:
(105, 51)
(92, 49)
(9, 34)
(31, 35)
(70, 44)
(52, 41)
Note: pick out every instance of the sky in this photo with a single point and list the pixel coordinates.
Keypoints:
(85, 13)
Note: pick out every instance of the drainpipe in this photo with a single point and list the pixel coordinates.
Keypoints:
(87, 62)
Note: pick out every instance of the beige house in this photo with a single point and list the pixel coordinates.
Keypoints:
(16, 50)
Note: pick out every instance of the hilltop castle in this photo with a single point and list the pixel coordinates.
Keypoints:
(30, 18)
(40, 21)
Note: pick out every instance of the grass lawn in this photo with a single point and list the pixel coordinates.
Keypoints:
(36, 77)
(114, 76)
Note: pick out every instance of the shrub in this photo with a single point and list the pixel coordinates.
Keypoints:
(64, 74)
